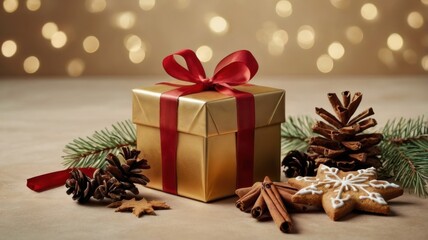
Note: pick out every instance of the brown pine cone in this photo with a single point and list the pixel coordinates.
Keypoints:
(342, 143)
(107, 187)
(298, 163)
(131, 171)
(79, 185)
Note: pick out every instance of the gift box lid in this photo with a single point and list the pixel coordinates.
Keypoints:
(208, 113)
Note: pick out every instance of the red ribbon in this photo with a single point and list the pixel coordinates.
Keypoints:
(235, 69)
(54, 179)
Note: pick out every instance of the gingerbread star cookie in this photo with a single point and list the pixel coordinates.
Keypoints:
(340, 192)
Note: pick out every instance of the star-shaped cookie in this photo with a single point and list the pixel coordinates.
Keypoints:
(340, 192)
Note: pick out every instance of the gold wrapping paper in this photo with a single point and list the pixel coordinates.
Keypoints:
(206, 154)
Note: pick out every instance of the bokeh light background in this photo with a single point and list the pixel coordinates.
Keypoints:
(42, 38)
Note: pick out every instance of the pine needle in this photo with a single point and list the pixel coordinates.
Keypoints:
(405, 153)
(92, 150)
(296, 133)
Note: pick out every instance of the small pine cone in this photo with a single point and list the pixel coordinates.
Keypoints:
(298, 163)
(107, 187)
(343, 143)
(131, 171)
(79, 185)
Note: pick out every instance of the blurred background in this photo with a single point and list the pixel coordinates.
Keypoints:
(42, 38)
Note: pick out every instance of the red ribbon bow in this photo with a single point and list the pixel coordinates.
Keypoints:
(235, 69)
(54, 179)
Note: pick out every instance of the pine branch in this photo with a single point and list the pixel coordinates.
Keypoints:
(93, 150)
(296, 133)
(404, 148)
(405, 153)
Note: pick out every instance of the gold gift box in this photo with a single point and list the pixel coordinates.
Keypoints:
(207, 125)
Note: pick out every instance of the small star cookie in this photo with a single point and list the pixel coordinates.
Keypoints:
(340, 192)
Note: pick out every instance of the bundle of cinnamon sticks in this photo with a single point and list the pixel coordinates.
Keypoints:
(266, 199)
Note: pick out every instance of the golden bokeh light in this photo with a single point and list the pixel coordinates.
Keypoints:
(147, 4)
(277, 42)
(125, 20)
(8, 48)
(386, 56)
(415, 20)
(336, 50)
(280, 37)
(369, 11)
(58, 39)
(33, 5)
(133, 43)
(306, 37)
(75, 67)
(204, 53)
(31, 64)
(325, 63)
(218, 25)
(91, 44)
(10, 6)
(410, 56)
(354, 34)
(284, 8)
(340, 3)
(424, 62)
(381, 39)
(395, 42)
(49, 29)
(95, 6)
(137, 56)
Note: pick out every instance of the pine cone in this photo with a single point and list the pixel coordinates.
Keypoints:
(79, 185)
(129, 172)
(298, 163)
(342, 143)
(107, 187)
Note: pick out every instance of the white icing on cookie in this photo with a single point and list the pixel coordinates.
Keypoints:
(340, 186)
(312, 189)
(375, 197)
(382, 184)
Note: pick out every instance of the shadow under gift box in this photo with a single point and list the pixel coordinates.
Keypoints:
(207, 126)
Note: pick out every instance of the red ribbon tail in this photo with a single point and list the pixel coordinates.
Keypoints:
(54, 179)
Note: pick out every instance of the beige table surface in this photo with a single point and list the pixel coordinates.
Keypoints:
(38, 117)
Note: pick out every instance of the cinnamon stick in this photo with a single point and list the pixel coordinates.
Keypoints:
(287, 186)
(246, 202)
(276, 207)
(259, 207)
(242, 191)
(286, 195)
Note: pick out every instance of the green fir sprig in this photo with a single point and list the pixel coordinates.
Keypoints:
(405, 153)
(296, 133)
(93, 150)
